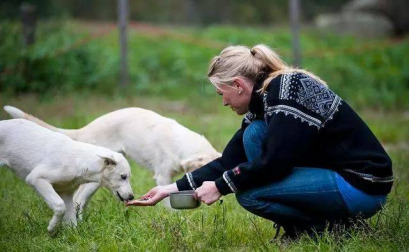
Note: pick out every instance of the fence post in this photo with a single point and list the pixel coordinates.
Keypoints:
(28, 18)
(294, 9)
(123, 13)
(191, 11)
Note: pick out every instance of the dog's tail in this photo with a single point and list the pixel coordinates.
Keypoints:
(17, 113)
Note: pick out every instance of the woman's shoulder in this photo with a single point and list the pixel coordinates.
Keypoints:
(281, 85)
(285, 79)
(295, 85)
(303, 92)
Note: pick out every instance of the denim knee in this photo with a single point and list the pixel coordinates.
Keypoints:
(248, 201)
(253, 137)
(255, 132)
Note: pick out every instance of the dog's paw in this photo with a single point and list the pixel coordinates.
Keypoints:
(52, 232)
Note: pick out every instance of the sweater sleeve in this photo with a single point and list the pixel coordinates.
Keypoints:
(233, 155)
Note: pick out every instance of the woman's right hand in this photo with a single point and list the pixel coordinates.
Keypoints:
(154, 196)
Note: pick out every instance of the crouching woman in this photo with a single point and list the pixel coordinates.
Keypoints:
(302, 157)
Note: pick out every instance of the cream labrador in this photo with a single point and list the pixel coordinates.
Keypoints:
(55, 165)
(153, 141)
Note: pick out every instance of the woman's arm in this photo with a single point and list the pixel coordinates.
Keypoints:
(233, 155)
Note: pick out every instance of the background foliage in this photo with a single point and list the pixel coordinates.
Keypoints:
(175, 11)
(69, 57)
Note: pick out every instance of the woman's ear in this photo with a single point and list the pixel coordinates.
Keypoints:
(243, 85)
(239, 87)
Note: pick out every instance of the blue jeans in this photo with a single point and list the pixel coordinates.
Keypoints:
(308, 197)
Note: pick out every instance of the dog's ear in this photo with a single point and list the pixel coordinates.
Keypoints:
(108, 161)
(122, 152)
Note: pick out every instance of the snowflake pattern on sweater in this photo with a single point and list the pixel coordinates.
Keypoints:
(310, 94)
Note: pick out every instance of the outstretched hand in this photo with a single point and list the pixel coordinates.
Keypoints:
(154, 196)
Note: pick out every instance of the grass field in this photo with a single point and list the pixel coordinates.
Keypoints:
(167, 76)
(108, 225)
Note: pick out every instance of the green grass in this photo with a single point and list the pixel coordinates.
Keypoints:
(108, 225)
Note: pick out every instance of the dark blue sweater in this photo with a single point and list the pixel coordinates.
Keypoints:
(308, 126)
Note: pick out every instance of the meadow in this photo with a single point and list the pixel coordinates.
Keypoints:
(70, 78)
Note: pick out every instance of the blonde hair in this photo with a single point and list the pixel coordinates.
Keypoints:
(255, 63)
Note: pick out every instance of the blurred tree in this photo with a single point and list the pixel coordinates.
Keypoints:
(294, 9)
(398, 12)
(10, 9)
(29, 18)
(195, 12)
(243, 12)
(191, 12)
(123, 16)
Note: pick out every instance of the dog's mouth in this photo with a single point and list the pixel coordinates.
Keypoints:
(119, 196)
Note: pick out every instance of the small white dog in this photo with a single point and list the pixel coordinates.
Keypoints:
(55, 165)
(153, 141)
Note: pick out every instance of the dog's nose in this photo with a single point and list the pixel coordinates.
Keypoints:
(130, 197)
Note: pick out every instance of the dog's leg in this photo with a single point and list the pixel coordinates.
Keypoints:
(69, 216)
(53, 200)
(163, 179)
(82, 197)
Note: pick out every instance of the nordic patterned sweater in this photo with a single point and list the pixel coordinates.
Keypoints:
(308, 125)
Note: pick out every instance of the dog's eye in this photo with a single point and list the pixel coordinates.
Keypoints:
(124, 177)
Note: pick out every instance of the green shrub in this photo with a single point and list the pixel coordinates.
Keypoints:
(54, 62)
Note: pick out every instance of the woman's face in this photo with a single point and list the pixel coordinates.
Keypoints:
(237, 96)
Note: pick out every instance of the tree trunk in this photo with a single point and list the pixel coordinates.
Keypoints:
(28, 17)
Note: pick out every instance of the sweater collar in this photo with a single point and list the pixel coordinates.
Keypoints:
(256, 104)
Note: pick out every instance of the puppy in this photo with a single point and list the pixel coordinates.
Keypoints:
(55, 165)
(153, 141)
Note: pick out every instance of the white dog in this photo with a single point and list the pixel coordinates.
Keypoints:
(153, 141)
(55, 165)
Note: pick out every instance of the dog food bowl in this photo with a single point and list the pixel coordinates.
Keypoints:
(184, 200)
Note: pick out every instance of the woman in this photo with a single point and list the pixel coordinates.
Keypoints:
(302, 157)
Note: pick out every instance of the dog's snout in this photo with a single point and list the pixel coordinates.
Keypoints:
(130, 197)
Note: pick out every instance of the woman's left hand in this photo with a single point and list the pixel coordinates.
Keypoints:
(208, 192)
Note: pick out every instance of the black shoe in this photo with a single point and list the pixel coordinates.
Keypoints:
(295, 232)
(291, 233)
(290, 236)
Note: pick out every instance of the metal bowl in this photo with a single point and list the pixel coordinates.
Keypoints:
(184, 200)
